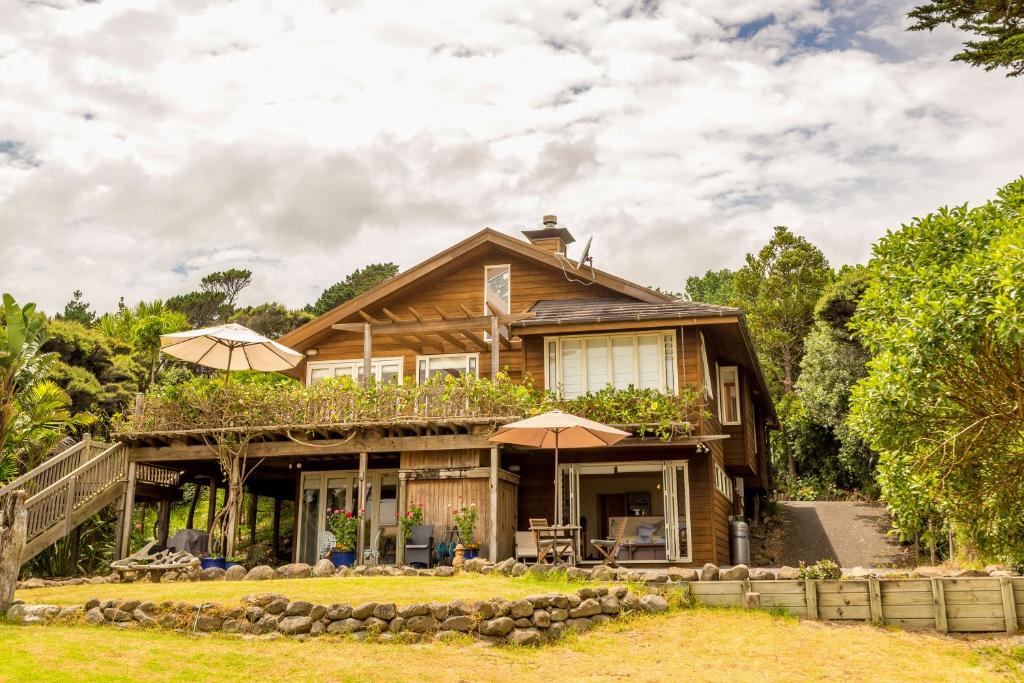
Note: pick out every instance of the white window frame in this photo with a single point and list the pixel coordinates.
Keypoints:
(487, 268)
(722, 369)
(707, 381)
(723, 482)
(357, 365)
(428, 357)
(664, 386)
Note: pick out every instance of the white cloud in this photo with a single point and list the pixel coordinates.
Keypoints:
(144, 144)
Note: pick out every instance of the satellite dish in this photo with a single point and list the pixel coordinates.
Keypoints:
(586, 254)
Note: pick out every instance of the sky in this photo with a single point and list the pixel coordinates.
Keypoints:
(145, 144)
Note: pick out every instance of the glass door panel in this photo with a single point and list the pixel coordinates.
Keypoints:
(677, 528)
(311, 522)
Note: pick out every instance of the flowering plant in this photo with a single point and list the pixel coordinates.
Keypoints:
(413, 517)
(345, 527)
(465, 519)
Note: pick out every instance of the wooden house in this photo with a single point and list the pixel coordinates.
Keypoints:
(493, 301)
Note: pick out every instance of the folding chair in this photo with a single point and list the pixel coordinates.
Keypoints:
(609, 548)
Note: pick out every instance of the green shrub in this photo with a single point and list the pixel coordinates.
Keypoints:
(822, 570)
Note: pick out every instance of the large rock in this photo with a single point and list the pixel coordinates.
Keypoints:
(761, 574)
(262, 599)
(338, 612)
(94, 616)
(609, 604)
(291, 626)
(736, 573)
(211, 574)
(323, 568)
(587, 608)
(33, 614)
(345, 626)
(787, 574)
(364, 611)
(299, 608)
(475, 565)
(277, 606)
(518, 569)
(260, 573)
(709, 572)
(541, 618)
(385, 611)
(235, 573)
(425, 623)
(558, 614)
(654, 603)
(499, 626)
(417, 610)
(296, 570)
(458, 608)
(682, 574)
(521, 608)
(525, 636)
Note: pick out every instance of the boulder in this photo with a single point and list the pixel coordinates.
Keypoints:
(761, 574)
(363, 611)
(299, 608)
(323, 568)
(539, 601)
(630, 603)
(417, 610)
(277, 606)
(229, 626)
(654, 576)
(560, 601)
(682, 574)
(587, 608)
(260, 573)
(396, 625)
(147, 606)
(208, 623)
(521, 608)
(421, 624)
(499, 626)
(143, 618)
(580, 625)
(599, 619)
(654, 603)
(525, 636)
(318, 628)
(293, 625)
(556, 630)
(609, 604)
(558, 614)
(858, 573)
(709, 572)
(266, 624)
(345, 626)
(541, 618)
(738, 572)
(262, 599)
(386, 611)
(464, 624)
(375, 624)
(338, 612)
(444, 571)
(518, 569)
(458, 608)
(296, 570)
(318, 612)
(475, 565)
(94, 616)
(787, 573)
(212, 574)
(439, 610)
(968, 573)
(235, 573)
(253, 614)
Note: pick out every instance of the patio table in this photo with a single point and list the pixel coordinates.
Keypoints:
(556, 540)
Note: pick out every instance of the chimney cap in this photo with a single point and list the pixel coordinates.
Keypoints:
(550, 221)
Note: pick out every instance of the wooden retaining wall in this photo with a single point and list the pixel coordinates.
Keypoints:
(967, 605)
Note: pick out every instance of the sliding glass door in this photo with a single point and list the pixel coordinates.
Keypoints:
(323, 491)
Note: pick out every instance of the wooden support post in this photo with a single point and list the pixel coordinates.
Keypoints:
(13, 530)
(494, 348)
(191, 523)
(361, 537)
(76, 544)
(939, 603)
(254, 506)
(234, 509)
(69, 503)
(492, 483)
(277, 529)
(811, 595)
(86, 447)
(211, 509)
(402, 506)
(875, 601)
(1009, 608)
(752, 600)
(125, 541)
(163, 522)
(367, 352)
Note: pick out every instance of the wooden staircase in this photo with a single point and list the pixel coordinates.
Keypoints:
(74, 485)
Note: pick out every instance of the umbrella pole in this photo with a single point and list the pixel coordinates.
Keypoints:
(558, 503)
(227, 370)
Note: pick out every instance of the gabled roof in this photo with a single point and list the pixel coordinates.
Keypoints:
(607, 309)
(300, 336)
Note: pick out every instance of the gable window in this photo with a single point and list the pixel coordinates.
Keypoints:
(729, 394)
(705, 369)
(453, 364)
(382, 369)
(497, 290)
(585, 364)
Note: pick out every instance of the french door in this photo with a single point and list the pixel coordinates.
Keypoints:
(579, 486)
(339, 490)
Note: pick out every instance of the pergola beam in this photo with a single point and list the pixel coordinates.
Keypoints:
(432, 326)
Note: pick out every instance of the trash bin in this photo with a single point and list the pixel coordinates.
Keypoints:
(740, 541)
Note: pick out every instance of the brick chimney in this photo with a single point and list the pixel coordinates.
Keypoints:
(551, 237)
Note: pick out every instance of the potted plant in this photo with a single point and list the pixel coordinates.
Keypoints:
(206, 561)
(345, 527)
(235, 561)
(465, 521)
(413, 517)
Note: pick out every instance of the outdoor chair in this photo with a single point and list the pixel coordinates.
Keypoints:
(548, 542)
(609, 548)
(526, 546)
(420, 546)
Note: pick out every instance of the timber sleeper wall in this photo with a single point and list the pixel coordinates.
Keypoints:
(965, 605)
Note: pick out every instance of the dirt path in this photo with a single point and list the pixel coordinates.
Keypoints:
(852, 534)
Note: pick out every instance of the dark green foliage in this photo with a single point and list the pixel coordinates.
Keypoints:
(271, 319)
(353, 285)
(713, 287)
(998, 25)
(202, 309)
(228, 283)
(77, 310)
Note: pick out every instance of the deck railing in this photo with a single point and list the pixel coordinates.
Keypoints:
(56, 468)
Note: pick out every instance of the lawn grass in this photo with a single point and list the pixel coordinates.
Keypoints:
(701, 644)
(402, 590)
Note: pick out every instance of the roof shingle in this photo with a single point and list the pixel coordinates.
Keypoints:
(607, 309)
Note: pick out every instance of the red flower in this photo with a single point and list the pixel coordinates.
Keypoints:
(348, 515)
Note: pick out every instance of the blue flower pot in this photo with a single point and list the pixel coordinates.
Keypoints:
(229, 565)
(468, 553)
(207, 562)
(343, 558)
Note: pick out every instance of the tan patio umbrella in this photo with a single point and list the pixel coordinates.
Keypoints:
(229, 347)
(557, 429)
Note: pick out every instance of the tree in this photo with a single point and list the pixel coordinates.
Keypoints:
(943, 402)
(78, 310)
(353, 285)
(713, 287)
(271, 319)
(139, 328)
(201, 309)
(778, 288)
(998, 23)
(228, 283)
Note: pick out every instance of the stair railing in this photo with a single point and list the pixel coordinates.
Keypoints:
(56, 468)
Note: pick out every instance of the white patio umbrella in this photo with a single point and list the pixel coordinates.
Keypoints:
(557, 429)
(229, 347)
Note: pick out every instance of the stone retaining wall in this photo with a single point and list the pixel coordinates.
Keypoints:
(533, 620)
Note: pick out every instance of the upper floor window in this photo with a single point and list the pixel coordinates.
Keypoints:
(580, 365)
(454, 364)
(729, 394)
(497, 290)
(705, 369)
(383, 369)
(722, 482)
